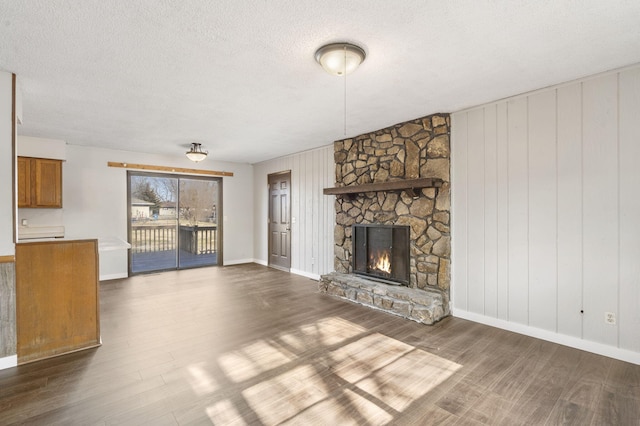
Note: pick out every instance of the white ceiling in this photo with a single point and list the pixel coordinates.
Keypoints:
(240, 76)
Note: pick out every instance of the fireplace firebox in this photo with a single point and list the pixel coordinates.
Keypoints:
(381, 252)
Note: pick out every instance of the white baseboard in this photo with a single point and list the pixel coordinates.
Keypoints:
(561, 339)
(239, 262)
(305, 274)
(114, 276)
(8, 362)
(291, 270)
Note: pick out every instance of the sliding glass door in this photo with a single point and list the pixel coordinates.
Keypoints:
(173, 221)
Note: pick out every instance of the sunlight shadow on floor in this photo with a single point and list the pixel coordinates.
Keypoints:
(253, 359)
(331, 371)
(201, 381)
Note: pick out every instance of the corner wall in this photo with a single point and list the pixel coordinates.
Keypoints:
(312, 211)
(8, 349)
(545, 214)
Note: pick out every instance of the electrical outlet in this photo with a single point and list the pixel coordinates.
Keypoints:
(610, 318)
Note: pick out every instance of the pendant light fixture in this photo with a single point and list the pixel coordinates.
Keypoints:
(341, 59)
(196, 153)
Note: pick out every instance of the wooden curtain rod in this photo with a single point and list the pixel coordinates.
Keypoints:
(7, 259)
(168, 169)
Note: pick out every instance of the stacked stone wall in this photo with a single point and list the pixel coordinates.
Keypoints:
(415, 149)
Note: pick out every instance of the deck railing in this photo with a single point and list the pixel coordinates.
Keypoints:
(194, 239)
(199, 239)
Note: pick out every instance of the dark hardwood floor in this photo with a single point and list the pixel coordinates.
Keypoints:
(251, 345)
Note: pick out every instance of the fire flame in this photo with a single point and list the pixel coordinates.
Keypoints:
(381, 263)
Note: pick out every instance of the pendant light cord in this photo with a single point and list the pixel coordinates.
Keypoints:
(345, 90)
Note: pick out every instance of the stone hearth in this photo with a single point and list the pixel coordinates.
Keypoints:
(426, 306)
(403, 152)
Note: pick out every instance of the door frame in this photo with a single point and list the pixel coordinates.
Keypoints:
(269, 206)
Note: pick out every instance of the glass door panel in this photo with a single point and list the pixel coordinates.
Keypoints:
(153, 222)
(198, 222)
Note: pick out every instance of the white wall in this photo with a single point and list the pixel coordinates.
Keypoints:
(314, 213)
(27, 146)
(546, 213)
(7, 162)
(95, 197)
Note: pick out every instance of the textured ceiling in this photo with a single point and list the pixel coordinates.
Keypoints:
(240, 76)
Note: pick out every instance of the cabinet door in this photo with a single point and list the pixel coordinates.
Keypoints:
(48, 183)
(24, 182)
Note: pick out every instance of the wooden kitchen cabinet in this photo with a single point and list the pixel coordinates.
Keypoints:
(39, 183)
(57, 304)
(24, 182)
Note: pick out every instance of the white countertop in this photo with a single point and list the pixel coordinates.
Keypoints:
(112, 243)
(39, 240)
(104, 244)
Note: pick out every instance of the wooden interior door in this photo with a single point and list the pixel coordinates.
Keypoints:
(280, 220)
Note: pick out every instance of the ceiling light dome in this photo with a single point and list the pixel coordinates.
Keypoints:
(340, 58)
(196, 153)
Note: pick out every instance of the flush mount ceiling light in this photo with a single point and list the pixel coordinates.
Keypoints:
(196, 153)
(340, 58)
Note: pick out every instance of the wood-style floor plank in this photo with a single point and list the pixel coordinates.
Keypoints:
(251, 345)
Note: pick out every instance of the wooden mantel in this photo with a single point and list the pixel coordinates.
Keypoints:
(394, 185)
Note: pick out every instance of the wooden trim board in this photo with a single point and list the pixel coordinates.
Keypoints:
(7, 259)
(168, 169)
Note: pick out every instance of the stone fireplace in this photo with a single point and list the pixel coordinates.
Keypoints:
(395, 177)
